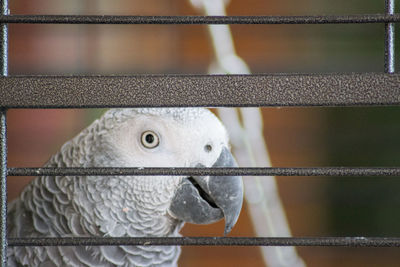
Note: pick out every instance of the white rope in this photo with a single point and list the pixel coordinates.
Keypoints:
(249, 146)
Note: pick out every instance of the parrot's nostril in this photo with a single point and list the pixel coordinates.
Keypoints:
(207, 148)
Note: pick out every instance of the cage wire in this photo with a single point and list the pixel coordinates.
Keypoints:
(246, 142)
(261, 193)
(3, 139)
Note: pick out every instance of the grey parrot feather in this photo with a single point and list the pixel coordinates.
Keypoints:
(67, 206)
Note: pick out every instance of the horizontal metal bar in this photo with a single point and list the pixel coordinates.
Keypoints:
(266, 171)
(102, 19)
(209, 241)
(200, 90)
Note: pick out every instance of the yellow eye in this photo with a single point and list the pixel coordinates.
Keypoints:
(150, 139)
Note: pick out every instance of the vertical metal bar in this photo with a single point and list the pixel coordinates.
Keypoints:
(3, 141)
(389, 38)
(4, 40)
(3, 188)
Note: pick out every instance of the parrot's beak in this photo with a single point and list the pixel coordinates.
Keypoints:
(207, 199)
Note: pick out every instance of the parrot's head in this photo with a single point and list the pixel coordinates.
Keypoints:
(180, 137)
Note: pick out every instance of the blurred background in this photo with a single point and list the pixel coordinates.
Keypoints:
(296, 137)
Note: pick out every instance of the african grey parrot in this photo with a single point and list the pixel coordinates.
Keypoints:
(121, 206)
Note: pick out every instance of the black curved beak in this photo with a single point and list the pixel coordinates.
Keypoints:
(207, 199)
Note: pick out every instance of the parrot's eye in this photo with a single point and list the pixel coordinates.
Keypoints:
(150, 139)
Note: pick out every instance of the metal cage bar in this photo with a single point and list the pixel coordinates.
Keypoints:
(263, 171)
(3, 141)
(209, 241)
(389, 39)
(3, 188)
(108, 19)
(199, 90)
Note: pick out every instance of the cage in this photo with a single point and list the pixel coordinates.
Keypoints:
(375, 84)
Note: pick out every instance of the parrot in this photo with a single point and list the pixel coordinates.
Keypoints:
(128, 206)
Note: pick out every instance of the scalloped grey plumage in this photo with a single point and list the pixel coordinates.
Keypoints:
(117, 206)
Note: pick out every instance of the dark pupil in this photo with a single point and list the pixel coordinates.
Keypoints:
(149, 138)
